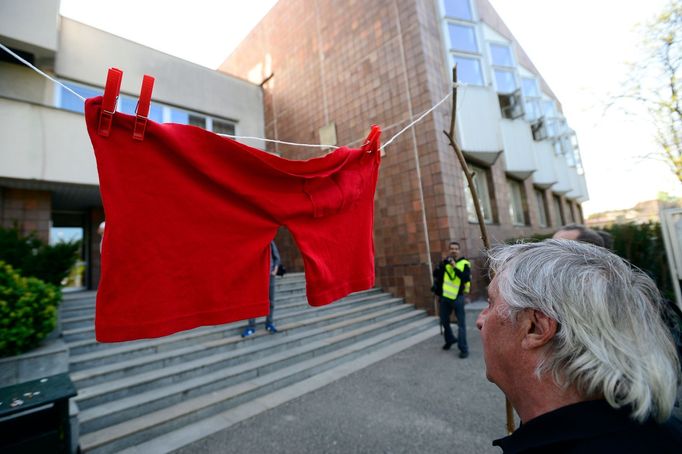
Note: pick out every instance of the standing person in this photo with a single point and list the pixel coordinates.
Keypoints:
(269, 319)
(451, 283)
(574, 338)
(100, 231)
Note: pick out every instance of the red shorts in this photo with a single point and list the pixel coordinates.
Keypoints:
(190, 216)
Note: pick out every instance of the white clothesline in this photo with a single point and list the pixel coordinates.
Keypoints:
(387, 143)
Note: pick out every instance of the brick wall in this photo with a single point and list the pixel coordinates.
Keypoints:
(28, 209)
(356, 63)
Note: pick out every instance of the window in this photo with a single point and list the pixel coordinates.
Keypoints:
(511, 105)
(531, 95)
(558, 211)
(468, 70)
(460, 9)
(503, 68)
(501, 55)
(127, 104)
(462, 38)
(571, 211)
(539, 129)
(460, 33)
(505, 81)
(223, 127)
(542, 207)
(68, 101)
(481, 184)
(516, 202)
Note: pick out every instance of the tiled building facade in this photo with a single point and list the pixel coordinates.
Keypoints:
(342, 66)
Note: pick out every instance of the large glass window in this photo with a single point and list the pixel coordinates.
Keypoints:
(223, 127)
(468, 70)
(559, 218)
(481, 184)
(501, 55)
(460, 9)
(462, 38)
(542, 207)
(531, 95)
(128, 104)
(68, 101)
(503, 68)
(516, 202)
(505, 81)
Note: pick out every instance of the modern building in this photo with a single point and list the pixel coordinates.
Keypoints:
(48, 175)
(330, 69)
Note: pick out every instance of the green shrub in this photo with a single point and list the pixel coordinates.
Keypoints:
(33, 257)
(642, 245)
(28, 311)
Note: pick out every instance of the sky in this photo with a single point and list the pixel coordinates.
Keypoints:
(579, 46)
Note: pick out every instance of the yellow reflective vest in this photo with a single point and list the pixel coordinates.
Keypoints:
(451, 285)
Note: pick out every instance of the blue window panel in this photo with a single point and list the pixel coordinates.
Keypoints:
(505, 81)
(127, 105)
(179, 116)
(156, 113)
(71, 102)
(501, 55)
(463, 38)
(459, 9)
(529, 87)
(468, 70)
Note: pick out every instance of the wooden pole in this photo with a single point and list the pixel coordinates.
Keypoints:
(477, 204)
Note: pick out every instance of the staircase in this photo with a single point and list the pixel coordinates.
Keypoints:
(182, 387)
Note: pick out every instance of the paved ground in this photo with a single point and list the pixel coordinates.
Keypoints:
(421, 400)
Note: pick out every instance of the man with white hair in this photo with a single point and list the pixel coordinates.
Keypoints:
(574, 338)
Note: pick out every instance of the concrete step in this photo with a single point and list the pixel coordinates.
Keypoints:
(89, 370)
(191, 433)
(127, 380)
(264, 380)
(295, 309)
(79, 328)
(79, 317)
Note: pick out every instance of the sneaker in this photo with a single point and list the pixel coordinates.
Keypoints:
(463, 354)
(248, 331)
(447, 346)
(271, 328)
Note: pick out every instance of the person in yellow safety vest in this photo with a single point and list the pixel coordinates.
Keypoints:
(452, 281)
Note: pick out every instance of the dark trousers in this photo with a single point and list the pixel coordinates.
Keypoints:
(270, 317)
(445, 308)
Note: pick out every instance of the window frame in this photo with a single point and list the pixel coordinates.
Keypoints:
(518, 218)
(469, 7)
(558, 210)
(166, 110)
(541, 202)
(452, 53)
(484, 197)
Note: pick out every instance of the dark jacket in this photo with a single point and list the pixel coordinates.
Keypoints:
(439, 273)
(593, 427)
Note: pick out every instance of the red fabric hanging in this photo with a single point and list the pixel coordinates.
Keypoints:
(189, 219)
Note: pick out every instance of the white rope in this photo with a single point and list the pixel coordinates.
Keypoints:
(279, 141)
(38, 71)
(387, 143)
(415, 121)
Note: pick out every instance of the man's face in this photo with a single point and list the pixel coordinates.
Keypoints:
(566, 235)
(454, 250)
(501, 340)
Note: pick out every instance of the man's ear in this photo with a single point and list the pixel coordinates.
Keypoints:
(540, 329)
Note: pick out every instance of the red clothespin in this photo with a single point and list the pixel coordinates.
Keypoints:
(109, 99)
(142, 110)
(372, 142)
